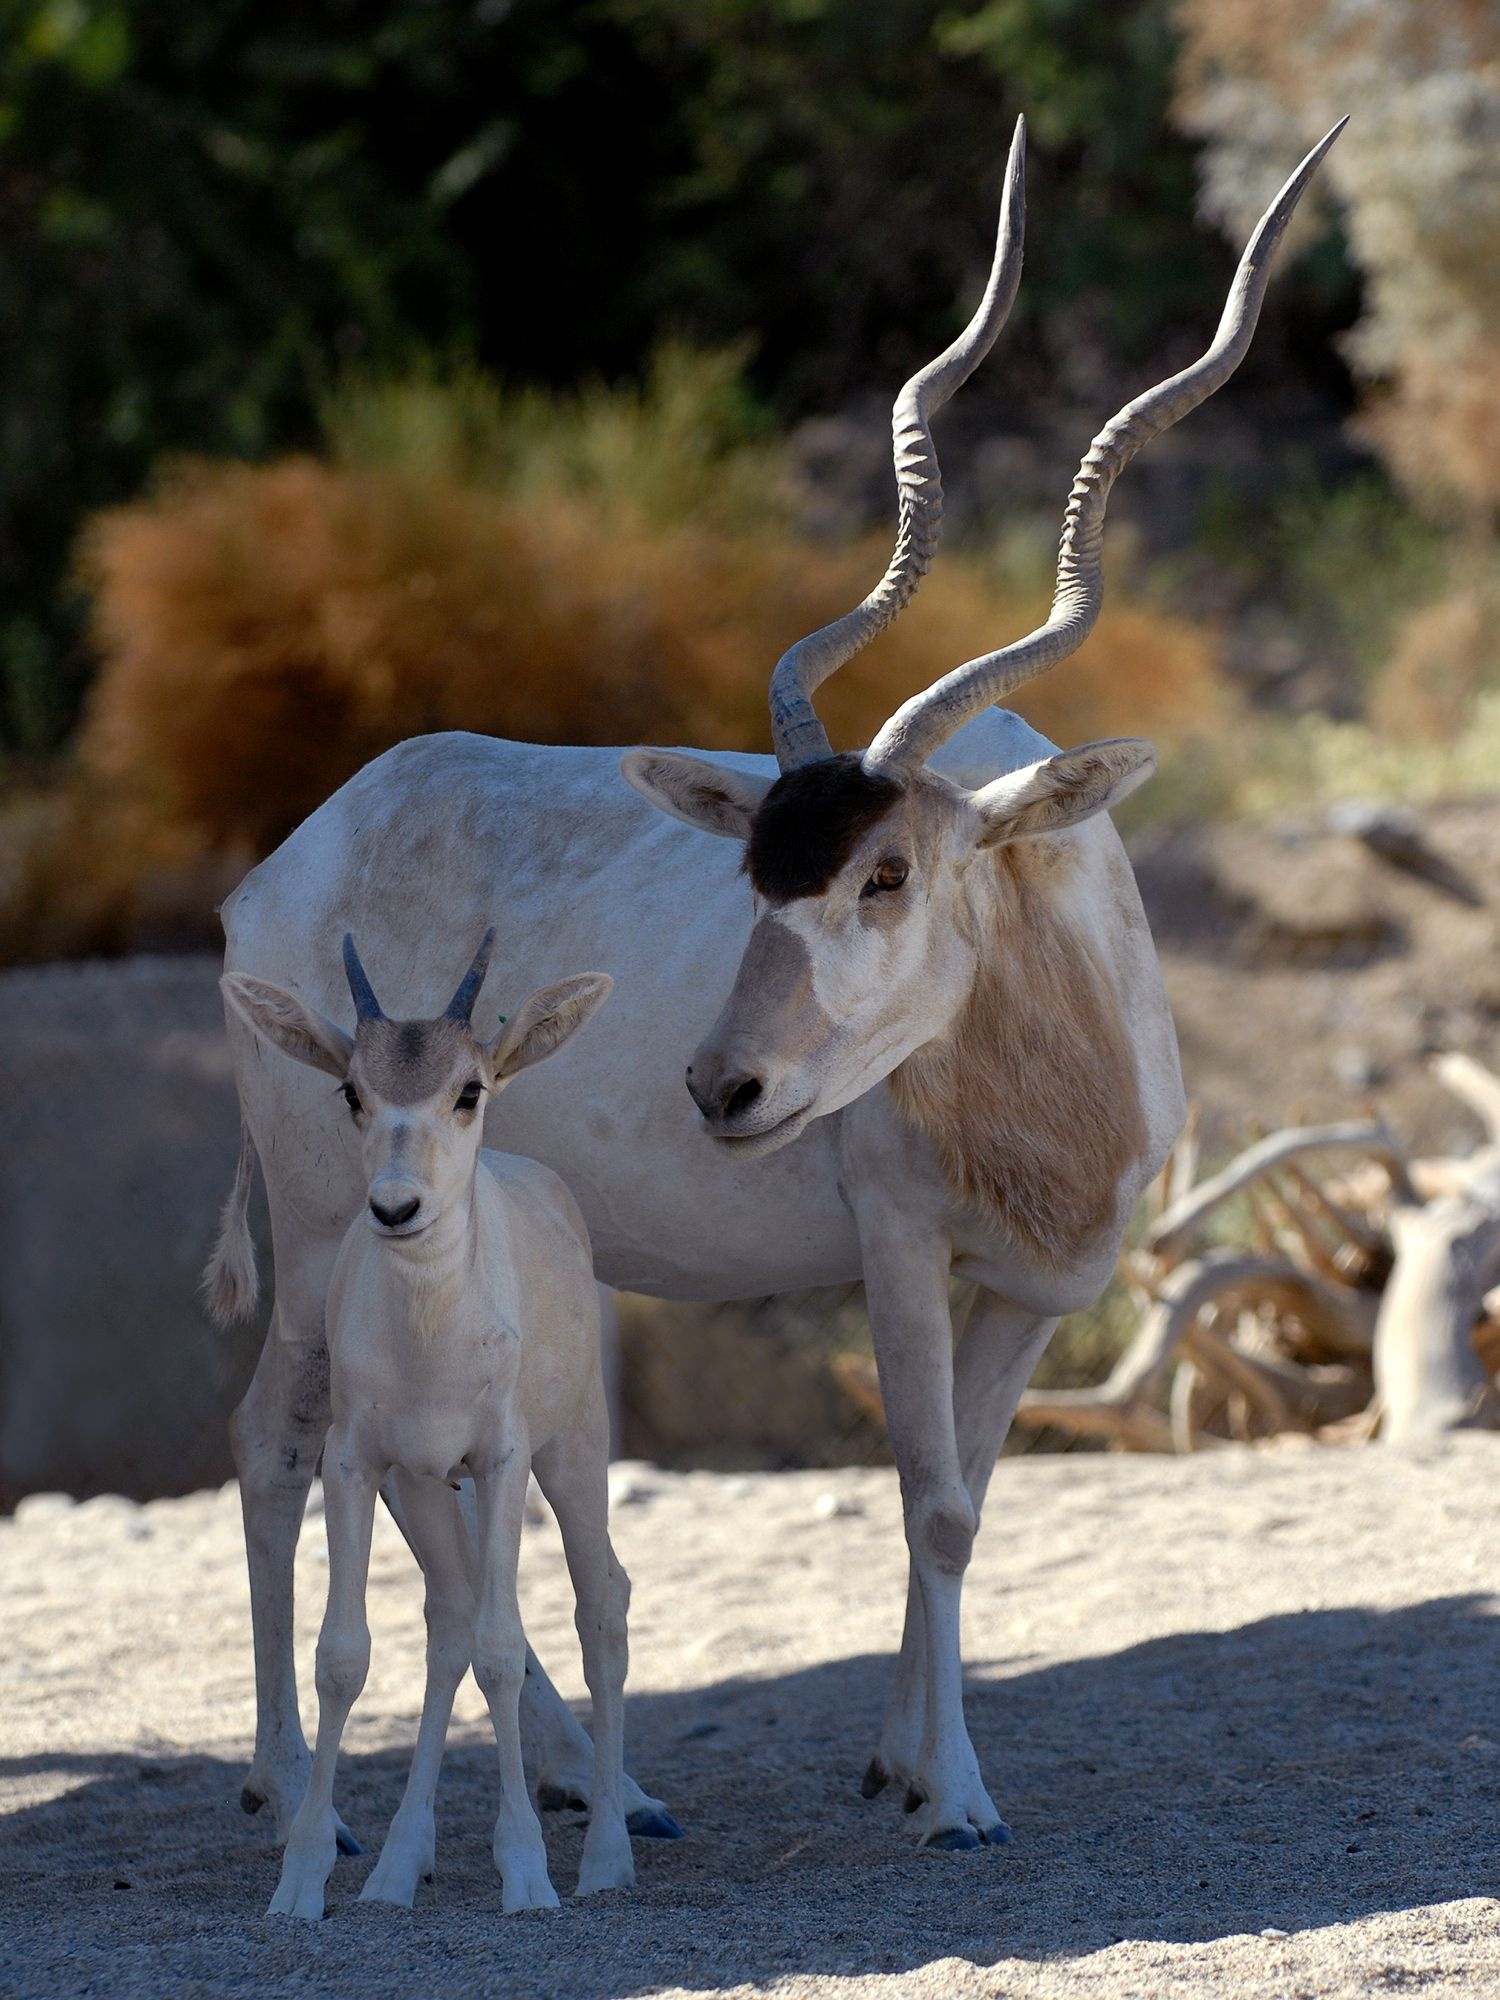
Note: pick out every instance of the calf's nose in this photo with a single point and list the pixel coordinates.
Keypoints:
(392, 1218)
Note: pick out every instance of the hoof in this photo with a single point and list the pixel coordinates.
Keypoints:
(954, 1839)
(347, 1844)
(913, 1800)
(251, 1801)
(998, 1835)
(875, 1780)
(556, 1798)
(653, 1823)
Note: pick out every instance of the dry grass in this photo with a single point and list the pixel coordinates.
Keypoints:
(265, 631)
(612, 567)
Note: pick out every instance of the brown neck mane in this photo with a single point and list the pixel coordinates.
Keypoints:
(1031, 1099)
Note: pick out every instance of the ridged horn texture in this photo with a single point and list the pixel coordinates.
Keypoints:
(799, 736)
(461, 1006)
(366, 1006)
(920, 725)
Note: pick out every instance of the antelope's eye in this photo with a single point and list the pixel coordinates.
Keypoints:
(468, 1097)
(351, 1098)
(891, 873)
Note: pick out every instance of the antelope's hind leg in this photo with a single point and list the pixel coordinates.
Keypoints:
(572, 1472)
(277, 1436)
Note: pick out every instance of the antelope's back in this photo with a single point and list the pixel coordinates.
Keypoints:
(444, 835)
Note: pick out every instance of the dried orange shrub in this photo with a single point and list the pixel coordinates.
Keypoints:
(264, 632)
(1436, 669)
(1417, 177)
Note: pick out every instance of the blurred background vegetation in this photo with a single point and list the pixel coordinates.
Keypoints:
(370, 369)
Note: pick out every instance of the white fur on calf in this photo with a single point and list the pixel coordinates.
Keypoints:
(463, 1339)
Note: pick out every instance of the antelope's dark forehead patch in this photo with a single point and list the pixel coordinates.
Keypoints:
(810, 822)
(406, 1061)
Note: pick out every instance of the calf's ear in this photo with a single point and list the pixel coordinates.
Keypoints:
(553, 1015)
(295, 1028)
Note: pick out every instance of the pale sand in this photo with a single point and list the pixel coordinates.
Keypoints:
(1214, 1697)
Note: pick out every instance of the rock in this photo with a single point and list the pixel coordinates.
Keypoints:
(834, 1506)
(1356, 1069)
(632, 1483)
(1395, 833)
(44, 1507)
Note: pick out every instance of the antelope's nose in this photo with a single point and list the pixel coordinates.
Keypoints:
(392, 1218)
(721, 1095)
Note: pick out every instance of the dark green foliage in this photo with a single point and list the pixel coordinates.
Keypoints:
(208, 212)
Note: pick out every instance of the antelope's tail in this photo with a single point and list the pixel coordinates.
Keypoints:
(231, 1283)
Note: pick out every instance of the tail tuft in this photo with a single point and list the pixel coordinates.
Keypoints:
(231, 1283)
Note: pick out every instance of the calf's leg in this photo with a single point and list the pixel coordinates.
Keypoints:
(343, 1660)
(573, 1475)
(499, 1668)
(435, 1529)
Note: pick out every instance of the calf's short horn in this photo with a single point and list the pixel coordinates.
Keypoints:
(461, 1006)
(366, 1006)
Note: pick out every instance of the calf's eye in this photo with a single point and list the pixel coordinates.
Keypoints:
(889, 875)
(468, 1097)
(351, 1098)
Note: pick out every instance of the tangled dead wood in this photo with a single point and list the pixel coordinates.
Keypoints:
(1340, 1305)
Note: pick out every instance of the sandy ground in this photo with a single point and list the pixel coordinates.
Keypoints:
(1240, 1710)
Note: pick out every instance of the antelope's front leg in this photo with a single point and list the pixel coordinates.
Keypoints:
(906, 1282)
(996, 1354)
(343, 1660)
(499, 1667)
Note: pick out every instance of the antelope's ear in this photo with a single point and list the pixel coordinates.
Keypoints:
(549, 1018)
(1061, 791)
(709, 796)
(298, 1030)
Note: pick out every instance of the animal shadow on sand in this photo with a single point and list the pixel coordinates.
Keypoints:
(1300, 1771)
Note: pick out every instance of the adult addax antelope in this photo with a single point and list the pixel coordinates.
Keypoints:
(945, 1046)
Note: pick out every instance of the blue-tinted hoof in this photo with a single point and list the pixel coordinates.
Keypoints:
(954, 1839)
(998, 1835)
(347, 1843)
(652, 1823)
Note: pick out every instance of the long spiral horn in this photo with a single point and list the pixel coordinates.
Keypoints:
(920, 725)
(366, 1006)
(461, 1006)
(799, 736)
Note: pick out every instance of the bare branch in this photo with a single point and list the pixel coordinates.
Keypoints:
(1347, 1222)
(1089, 1413)
(1170, 1231)
(1428, 1375)
(1473, 1085)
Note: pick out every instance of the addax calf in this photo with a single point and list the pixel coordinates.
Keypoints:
(463, 1339)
